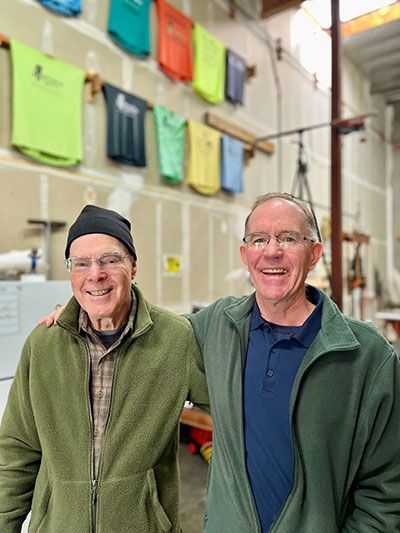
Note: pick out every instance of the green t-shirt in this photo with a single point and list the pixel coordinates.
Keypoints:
(170, 131)
(209, 65)
(47, 106)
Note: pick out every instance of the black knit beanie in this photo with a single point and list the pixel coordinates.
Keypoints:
(93, 219)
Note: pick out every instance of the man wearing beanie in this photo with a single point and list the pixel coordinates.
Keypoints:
(89, 436)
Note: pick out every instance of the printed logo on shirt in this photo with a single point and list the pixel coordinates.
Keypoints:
(45, 81)
(134, 3)
(125, 107)
(173, 32)
(169, 123)
(236, 63)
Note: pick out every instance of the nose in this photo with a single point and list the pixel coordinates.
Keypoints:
(95, 271)
(273, 247)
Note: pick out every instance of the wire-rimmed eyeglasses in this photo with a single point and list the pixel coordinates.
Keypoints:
(285, 239)
(108, 262)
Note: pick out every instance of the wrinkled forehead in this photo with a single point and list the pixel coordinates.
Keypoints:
(95, 244)
(277, 214)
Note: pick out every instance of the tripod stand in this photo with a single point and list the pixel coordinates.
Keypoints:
(300, 177)
(300, 183)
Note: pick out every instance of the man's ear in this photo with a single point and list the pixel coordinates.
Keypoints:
(133, 273)
(316, 255)
(244, 256)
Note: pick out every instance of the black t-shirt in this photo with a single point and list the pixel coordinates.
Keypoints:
(108, 337)
(125, 129)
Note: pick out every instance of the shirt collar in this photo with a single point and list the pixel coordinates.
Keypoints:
(305, 333)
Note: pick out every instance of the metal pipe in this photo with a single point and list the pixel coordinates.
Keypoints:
(336, 177)
(271, 45)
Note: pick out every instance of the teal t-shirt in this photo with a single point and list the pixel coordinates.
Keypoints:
(170, 132)
(129, 25)
(47, 106)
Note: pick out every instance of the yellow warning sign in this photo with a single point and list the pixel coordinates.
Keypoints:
(172, 265)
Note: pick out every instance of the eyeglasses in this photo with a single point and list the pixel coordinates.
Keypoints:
(108, 262)
(285, 239)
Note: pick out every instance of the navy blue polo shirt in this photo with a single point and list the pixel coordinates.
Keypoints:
(273, 358)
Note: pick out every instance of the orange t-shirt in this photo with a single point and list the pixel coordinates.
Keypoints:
(174, 42)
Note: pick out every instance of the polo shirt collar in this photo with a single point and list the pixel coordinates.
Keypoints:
(305, 334)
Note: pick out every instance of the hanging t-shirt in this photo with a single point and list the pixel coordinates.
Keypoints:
(209, 65)
(174, 42)
(236, 71)
(129, 26)
(47, 106)
(170, 131)
(67, 7)
(204, 158)
(231, 164)
(125, 126)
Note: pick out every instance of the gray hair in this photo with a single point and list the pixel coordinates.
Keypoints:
(311, 221)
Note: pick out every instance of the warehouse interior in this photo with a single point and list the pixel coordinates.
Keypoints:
(319, 118)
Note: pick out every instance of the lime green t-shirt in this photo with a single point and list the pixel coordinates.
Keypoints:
(47, 106)
(170, 131)
(209, 65)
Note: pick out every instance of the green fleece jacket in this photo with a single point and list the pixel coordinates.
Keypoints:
(46, 431)
(345, 427)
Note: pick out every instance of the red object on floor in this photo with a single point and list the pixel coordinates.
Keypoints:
(200, 436)
(192, 448)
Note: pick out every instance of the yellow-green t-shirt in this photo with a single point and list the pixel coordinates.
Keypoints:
(47, 106)
(209, 65)
(204, 158)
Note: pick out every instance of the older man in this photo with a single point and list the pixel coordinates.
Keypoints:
(89, 436)
(305, 400)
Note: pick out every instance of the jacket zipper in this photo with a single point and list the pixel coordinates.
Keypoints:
(94, 503)
(93, 478)
(94, 481)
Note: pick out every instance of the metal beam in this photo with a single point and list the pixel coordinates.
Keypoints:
(336, 177)
(371, 20)
(272, 7)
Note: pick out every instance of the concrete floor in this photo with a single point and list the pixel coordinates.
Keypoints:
(194, 471)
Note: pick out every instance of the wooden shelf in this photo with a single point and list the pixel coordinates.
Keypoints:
(196, 418)
(247, 137)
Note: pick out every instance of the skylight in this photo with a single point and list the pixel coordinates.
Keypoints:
(320, 10)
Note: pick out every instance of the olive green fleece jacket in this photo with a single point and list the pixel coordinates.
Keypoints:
(46, 431)
(345, 426)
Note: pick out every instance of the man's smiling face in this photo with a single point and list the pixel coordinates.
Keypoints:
(104, 295)
(278, 274)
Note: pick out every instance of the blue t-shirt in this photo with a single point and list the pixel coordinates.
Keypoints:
(67, 7)
(231, 164)
(274, 356)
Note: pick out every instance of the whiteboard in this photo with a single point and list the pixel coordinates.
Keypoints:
(22, 304)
